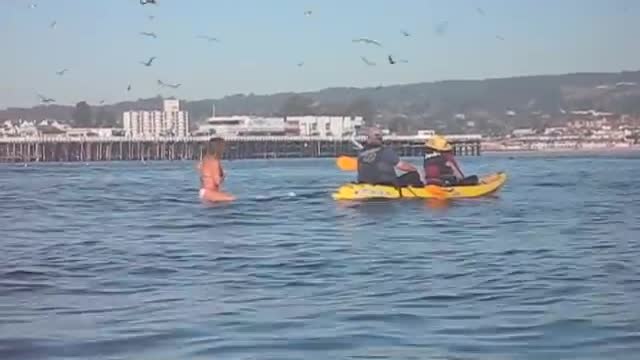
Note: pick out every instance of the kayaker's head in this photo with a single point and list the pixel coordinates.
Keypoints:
(374, 137)
(215, 147)
(438, 143)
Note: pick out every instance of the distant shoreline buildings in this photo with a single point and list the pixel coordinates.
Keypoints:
(577, 130)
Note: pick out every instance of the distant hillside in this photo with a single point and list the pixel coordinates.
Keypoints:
(444, 105)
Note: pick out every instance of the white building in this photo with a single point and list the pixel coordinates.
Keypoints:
(240, 125)
(326, 126)
(169, 122)
(523, 132)
(92, 132)
(19, 128)
(426, 133)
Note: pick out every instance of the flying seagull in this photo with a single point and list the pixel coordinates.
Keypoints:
(405, 33)
(367, 41)
(308, 13)
(61, 72)
(392, 61)
(148, 62)
(499, 37)
(145, 2)
(33, 6)
(45, 99)
(366, 61)
(208, 38)
(129, 87)
(301, 63)
(151, 17)
(173, 86)
(149, 34)
(101, 102)
(480, 11)
(53, 24)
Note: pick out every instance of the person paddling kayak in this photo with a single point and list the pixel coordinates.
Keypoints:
(441, 167)
(377, 164)
(211, 172)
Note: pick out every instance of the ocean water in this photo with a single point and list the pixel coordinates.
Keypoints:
(122, 261)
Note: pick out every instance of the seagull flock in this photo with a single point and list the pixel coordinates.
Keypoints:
(440, 29)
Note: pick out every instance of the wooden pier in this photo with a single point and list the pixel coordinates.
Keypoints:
(56, 149)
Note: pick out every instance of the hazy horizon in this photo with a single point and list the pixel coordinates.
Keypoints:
(262, 44)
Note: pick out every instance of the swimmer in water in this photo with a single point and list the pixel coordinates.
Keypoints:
(211, 173)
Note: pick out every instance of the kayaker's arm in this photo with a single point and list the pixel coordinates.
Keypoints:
(453, 164)
(393, 158)
(456, 169)
(405, 166)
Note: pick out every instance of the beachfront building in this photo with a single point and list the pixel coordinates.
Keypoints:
(19, 128)
(326, 126)
(93, 132)
(22, 128)
(242, 125)
(170, 122)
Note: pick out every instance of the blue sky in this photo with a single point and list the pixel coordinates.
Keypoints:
(261, 43)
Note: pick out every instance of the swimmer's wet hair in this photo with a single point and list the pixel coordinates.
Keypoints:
(215, 146)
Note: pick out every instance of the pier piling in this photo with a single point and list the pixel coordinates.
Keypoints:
(55, 149)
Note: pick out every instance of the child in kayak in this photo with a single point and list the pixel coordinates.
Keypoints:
(440, 166)
(211, 173)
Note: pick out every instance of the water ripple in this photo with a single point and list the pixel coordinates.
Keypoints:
(122, 261)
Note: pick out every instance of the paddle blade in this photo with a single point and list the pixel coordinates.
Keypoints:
(347, 163)
(436, 191)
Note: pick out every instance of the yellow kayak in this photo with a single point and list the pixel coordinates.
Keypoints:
(488, 184)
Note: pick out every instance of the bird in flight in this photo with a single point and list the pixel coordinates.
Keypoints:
(129, 87)
(499, 37)
(173, 86)
(208, 38)
(367, 41)
(61, 72)
(149, 34)
(405, 33)
(148, 62)
(367, 61)
(101, 102)
(480, 11)
(151, 17)
(145, 2)
(393, 61)
(45, 99)
(301, 63)
(53, 24)
(308, 12)
(33, 6)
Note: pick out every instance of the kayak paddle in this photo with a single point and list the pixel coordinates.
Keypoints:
(348, 163)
